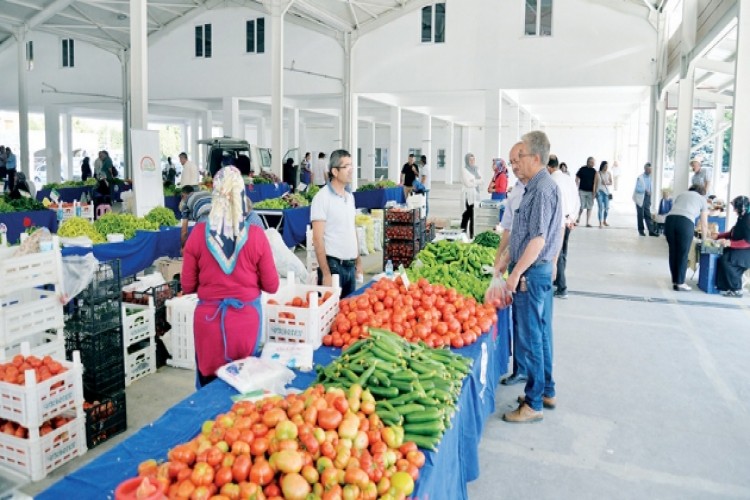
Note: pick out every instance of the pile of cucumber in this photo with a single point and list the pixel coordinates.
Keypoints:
(413, 385)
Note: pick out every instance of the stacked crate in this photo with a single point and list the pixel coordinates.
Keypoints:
(403, 236)
(93, 326)
(139, 339)
(157, 296)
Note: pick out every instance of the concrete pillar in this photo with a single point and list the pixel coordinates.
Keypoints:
(658, 155)
(394, 147)
(719, 122)
(52, 143)
(739, 174)
(684, 134)
(22, 155)
(350, 119)
(67, 145)
(508, 127)
(353, 121)
(263, 131)
(278, 9)
(427, 148)
(369, 153)
(338, 124)
(138, 65)
(450, 152)
(191, 139)
(231, 116)
(492, 118)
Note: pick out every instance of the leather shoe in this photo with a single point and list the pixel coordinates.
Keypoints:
(654, 234)
(513, 379)
(522, 415)
(547, 402)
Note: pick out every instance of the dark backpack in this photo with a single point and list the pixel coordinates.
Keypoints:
(114, 171)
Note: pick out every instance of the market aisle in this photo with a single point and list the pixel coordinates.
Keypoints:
(652, 385)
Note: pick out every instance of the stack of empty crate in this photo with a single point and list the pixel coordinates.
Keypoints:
(93, 327)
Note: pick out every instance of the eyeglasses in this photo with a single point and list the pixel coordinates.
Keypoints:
(520, 155)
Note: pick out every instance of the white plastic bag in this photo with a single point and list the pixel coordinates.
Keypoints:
(251, 374)
(497, 294)
(78, 272)
(284, 258)
(362, 241)
(377, 228)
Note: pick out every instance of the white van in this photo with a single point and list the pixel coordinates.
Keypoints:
(222, 150)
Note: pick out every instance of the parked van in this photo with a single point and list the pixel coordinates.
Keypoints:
(222, 150)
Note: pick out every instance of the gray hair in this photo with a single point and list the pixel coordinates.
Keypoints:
(335, 160)
(537, 143)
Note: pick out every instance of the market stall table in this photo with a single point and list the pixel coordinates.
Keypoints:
(377, 198)
(291, 223)
(17, 222)
(260, 192)
(439, 478)
(173, 202)
(71, 194)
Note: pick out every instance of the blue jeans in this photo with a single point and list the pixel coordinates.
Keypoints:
(346, 272)
(533, 310)
(602, 202)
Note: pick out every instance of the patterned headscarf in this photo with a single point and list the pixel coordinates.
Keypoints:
(226, 231)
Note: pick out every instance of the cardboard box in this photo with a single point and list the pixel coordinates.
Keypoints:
(170, 268)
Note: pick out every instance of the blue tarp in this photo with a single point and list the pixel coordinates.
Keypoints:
(259, 192)
(377, 198)
(18, 222)
(71, 194)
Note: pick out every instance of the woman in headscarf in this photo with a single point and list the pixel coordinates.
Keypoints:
(86, 172)
(227, 262)
(736, 257)
(23, 188)
(471, 179)
(499, 184)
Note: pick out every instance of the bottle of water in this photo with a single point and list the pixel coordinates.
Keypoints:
(77, 206)
(60, 213)
(389, 269)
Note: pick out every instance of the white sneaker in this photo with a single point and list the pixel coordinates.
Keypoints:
(683, 287)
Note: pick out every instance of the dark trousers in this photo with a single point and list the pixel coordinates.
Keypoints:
(729, 272)
(644, 214)
(467, 220)
(679, 233)
(347, 275)
(519, 362)
(560, 281)
(11, 182)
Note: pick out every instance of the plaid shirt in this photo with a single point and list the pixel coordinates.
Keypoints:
(538, 215)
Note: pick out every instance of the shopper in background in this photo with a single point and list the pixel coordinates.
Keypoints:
(228, 263)
(3, 169)
(332, 213)
(194, 207)
(288, 174)
(86, 172)
(602, 184)
(306, 168)
(425, 172)
(701, 176)
(106, 167)
(679, 228)
(471, 179)
(571, 202)
(189, 176)
(642, 199)
(616, 171)
(498, 187)
(319, 171)
(534, 242)
(564, 169)
(10, 167)
(23, 188)
(409, 172)
(585, 180)
(736, 257)
(170, 174)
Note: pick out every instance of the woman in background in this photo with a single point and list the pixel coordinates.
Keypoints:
(679, 228)
(471, 179)
(227, 262)
(736, 257)
(602, 184)
(498, 187)
(86, 172)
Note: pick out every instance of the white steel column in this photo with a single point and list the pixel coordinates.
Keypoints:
(450, 155)
(369, 153)
(262, 128)
(353, 121)
(52, 142)
(394, 148)
(138, 65)
(658, 155)
(492, 118)
(231, 116)
(338, 142)
(739, 174)
(191, 142)
(427, 148)
(23, 164)
(719, 123)
(684, 134)
(348, 105)
(67, 144)
(278, 10)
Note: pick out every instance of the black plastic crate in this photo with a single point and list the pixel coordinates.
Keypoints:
(106, 419)
(84, 317)
(161, 324)
(102, 358)
(402, 216)
(106, 284)
(160, 294)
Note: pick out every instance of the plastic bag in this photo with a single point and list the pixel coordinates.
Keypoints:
(497, 294)
(78, 272)
(362, 241)
(284, 258)
(251, 374)
(377, 230)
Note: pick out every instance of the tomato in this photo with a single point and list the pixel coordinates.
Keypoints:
(287, 461)
(147, 468)
(182, 453)
(223, 476)
(272, 490)
(249, 490)
(240, 448)
(231, 491)
(185, 489)
(214, 456)
(329, 418)
(355, 475)
(402, 482)
(295, 487)
(203, 474)
(241, 468)
(259, 446)
(273, 417)
(261, 473)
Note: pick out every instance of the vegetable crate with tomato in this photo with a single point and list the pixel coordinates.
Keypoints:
(33, 390)
(43, 448)
(301, 313)
(158, 294)
(102, 357)
(140, 360)
(27, 311)
(402, 215)
(180, 342)
(106, 417)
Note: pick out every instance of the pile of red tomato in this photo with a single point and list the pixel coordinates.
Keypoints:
(13, 429)
(298, 302)
(15, 371)
(437, 315)
(327, 444)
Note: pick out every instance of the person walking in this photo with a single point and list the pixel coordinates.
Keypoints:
(471, 179)
(319, 171)
(534, 243)
(642, 198)
(498, 187)
(679, 228)
(585, 180)
(228, 263)
(701, 176)
(189, 176)
(409, 172)
(571, 203)
(616, 172)
(332, 213)
(602, 185)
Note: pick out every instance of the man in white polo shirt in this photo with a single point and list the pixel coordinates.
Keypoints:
(334, 233)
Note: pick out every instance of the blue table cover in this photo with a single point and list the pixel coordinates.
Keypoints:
(439, 478)
(137, 253)
(293, 226)
(259, 192)
(70, 194)
(18, 222)
(173, 202)
(377, 198)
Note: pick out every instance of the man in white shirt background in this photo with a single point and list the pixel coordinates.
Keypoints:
(319, 170)
(571, 203)
(426, 180)
(189, 171)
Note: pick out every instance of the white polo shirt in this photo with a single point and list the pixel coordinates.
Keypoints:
(338, 212)
(571, 202)
(511, 205)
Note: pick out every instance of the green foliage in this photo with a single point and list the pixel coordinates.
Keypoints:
(78, 226)
(162, 216)
(21, 205)
(377, 185)
(125, 224)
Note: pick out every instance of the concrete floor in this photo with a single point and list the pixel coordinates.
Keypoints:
(652, 384)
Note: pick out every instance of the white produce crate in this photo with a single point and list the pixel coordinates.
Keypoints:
(181, 344)
(140, 363)
(138, 322)
(308, 325)
(28, 311)
(69, 211)
(33, 403)
(36, 457)
(40, 344)
(29, 271)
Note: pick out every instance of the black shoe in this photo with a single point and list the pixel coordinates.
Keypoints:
(641, 233)
(561, 294)
(513, 379)
(654, 234)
